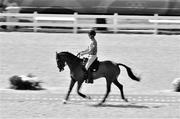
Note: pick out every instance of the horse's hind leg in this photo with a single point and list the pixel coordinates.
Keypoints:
(108, 86)
(120, 88)
(78, 90)
(70, 89)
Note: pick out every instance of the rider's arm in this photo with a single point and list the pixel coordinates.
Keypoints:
(91, 48)
(85, 52)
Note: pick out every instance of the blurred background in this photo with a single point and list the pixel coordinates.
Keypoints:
(121, 16)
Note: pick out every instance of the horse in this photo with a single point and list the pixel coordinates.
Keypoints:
(107, 69)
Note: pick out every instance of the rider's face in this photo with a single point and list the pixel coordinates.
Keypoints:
(91, 36)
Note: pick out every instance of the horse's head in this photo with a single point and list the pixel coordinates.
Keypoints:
(60, 61)
(68, 58)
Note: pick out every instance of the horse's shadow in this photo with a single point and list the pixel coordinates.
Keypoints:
(133, 105)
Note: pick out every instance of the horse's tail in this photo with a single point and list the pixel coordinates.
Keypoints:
(130, 73)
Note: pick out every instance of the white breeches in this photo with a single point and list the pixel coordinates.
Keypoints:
(90, 60)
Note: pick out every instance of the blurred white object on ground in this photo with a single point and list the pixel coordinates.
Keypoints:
(176, 84)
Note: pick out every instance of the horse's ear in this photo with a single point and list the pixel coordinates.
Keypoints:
(56, 54)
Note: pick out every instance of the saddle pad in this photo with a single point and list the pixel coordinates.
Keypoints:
(95, 65)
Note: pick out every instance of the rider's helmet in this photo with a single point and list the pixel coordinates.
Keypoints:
(92, 32)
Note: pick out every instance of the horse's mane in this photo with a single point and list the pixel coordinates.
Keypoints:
(72, 56)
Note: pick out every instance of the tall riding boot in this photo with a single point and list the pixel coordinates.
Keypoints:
(90, 79)
(85, 74)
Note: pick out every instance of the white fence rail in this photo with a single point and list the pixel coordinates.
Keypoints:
(114, 23)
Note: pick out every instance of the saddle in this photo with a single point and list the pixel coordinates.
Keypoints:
(94, 66)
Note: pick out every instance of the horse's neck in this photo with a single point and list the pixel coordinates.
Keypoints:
(72, 62)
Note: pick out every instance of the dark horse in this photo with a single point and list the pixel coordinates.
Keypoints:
(107, 69)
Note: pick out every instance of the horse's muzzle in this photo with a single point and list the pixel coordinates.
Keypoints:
(60, 70)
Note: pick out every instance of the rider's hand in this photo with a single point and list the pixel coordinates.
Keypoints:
(79, 54)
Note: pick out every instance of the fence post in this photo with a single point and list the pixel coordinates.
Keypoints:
(35, 22)
(155, 24)
(115, 22)
(75, 23)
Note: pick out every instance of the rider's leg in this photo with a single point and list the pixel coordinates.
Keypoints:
(90, 79)
(90, 61)
(85, 74)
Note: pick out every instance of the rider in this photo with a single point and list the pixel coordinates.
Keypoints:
(92, 52)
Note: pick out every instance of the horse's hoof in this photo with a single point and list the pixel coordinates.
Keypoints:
(88, 97)
(126, 100)
(100, 104)
(64, 101)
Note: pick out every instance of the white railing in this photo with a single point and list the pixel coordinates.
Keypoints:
(114, 23)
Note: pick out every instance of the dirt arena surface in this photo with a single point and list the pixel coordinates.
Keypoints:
(22, 105)
(156, 58)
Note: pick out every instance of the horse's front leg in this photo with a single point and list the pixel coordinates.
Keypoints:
(78, 90)
(73, 81)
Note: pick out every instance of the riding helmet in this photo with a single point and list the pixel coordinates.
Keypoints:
(92, 32)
